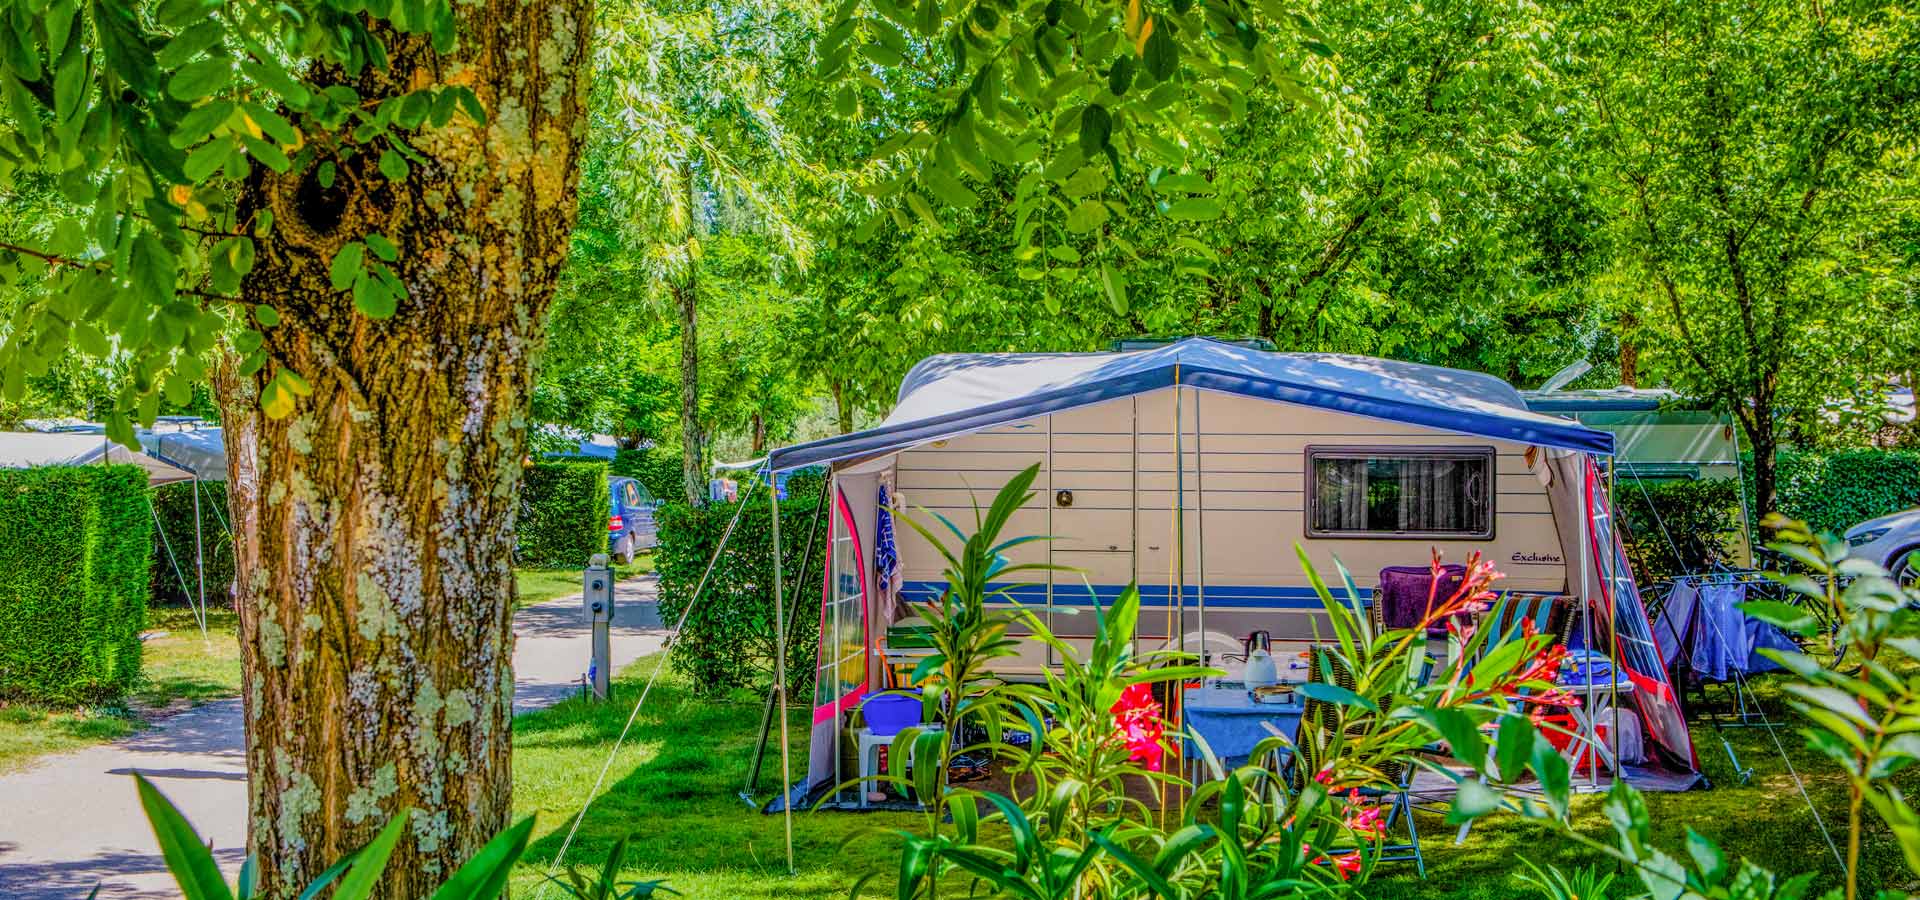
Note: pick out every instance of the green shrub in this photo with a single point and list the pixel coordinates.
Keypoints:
(728, 639)
(173, 504)
(563, 513)
(1835, 491)
(75, 543)
(654, 467)
(1676, 527)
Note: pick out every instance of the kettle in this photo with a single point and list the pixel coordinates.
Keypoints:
(1260, 670)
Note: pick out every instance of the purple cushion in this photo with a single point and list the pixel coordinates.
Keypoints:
(1404, 591)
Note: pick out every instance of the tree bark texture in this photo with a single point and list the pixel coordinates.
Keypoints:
(374, 525)
(686, 303)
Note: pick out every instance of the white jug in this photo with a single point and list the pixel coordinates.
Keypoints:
(1260, 670)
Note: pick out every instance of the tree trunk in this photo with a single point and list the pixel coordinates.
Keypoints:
(759, 434)
(686, 301)
(1761, 439)
(686, 296)
(843, 411)
(374, 524)
(1629, 351)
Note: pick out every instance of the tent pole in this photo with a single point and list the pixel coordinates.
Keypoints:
(780, 663)
(1586, 613)
(199, 556)
(1613, 616)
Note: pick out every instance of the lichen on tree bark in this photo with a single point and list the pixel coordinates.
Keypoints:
(374, 526)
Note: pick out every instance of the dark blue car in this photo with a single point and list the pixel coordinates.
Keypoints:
(630, 526)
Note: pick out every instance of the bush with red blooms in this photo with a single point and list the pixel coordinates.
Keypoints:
(1097, 767)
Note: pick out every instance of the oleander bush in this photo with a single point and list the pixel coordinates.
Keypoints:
(173, 505)
(728, 639)
(75, 543)
(563, 513)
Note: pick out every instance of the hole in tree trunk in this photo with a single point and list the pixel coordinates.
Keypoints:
(320, 208)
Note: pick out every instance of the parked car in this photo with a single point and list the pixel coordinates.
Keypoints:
(1890, 541)
(630, 527)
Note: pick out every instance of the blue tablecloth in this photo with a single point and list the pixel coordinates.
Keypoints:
(1229, 721)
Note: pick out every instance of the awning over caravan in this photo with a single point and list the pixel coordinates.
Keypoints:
(202, 451)
(20, 450)
(954, 394)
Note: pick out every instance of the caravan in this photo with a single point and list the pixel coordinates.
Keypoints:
(1194, 469)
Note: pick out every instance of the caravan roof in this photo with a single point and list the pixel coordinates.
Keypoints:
(957, 393)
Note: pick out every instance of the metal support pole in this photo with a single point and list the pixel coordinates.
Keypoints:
(1612, 566)
(199, 555)
(1586, 613)
(780, 663)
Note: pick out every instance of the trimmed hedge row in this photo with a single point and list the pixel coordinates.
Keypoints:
(75, 543)
(1835, 491)
(563, 513)
(1675, 527)
(658, 469)
(728, 639)
(173, 504)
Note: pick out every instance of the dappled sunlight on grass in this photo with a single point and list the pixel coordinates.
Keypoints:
(540, 585)
(674, 787)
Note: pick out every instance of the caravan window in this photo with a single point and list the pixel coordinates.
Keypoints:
(1379, 492)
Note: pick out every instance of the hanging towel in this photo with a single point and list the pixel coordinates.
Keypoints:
(886, 555)
(1720, 643)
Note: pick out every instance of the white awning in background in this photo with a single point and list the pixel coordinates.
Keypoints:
(21, 450)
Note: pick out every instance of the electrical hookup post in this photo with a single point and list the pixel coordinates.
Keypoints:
(596, 598)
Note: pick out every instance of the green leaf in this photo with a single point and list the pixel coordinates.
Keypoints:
(1473, 800)
(191, 863)
(1513, 746)
(373, 298)
(1461, 733)
(393, 165)
(949, 189)
(1096, 129)
(485, 875)
(1120, 76)
(1087, 216)
(1337, 695)
(276, 79)
(1162, 56)
(382, 247)
(1785, 616)
(202, 78)
(208, 158)
(267, 316)
(371, 860)
(347, 265)
(191, 43)
(128, 50)
(1116, 287)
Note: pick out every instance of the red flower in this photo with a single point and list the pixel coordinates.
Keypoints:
(1137, 722)
(1474, 595)
(1347, 865)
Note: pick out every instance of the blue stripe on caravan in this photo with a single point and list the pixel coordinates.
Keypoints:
(1152, 596)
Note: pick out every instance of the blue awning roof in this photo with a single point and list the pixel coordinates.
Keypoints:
(953, 394)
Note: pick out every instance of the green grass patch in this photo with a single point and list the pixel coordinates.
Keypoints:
(673, 788)
(178, 668)
(540, 585)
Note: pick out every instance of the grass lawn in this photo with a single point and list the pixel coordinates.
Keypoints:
(178, 668)
(674, 787)
(541, 585)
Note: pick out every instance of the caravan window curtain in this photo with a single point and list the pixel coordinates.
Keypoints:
(1375, 492)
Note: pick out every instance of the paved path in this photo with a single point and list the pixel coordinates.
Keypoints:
(73, 820)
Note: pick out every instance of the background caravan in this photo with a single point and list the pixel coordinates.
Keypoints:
(1194, 469)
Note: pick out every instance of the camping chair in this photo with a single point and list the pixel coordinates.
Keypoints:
(1321, 723)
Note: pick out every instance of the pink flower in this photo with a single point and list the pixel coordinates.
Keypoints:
(1347, 864)
(1137, 723)
(1362, 818)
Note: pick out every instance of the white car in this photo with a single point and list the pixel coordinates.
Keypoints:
(1890, 541)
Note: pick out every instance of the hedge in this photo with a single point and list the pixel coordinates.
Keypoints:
(563, 513)
(728, 639)
(173, 504)
(1835, 491)
(658, 469)
(75, 543)
(1676, 527)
